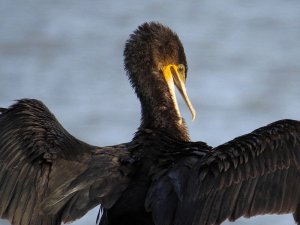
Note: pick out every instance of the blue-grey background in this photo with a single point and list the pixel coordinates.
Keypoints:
(244, 69)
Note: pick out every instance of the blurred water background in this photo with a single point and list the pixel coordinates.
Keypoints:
(244, 69)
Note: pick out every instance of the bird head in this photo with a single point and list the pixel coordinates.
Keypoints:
(156, 64)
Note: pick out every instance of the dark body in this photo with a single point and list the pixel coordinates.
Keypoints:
(160, 177)
(153, 161)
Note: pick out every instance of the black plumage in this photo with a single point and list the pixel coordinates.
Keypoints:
(160, 177)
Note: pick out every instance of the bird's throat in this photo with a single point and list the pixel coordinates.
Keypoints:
(161, 114)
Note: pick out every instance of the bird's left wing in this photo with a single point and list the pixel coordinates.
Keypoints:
(47, 175)
(258, 173)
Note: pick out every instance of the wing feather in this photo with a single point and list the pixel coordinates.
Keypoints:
(48, 176)
(264, 181)
(254, 174)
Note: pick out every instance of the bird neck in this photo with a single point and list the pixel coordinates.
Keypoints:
(159, 113)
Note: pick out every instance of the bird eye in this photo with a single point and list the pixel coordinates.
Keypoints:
(181, 68)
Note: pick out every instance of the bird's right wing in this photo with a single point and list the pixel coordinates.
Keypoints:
(254, 174)
(48, 176)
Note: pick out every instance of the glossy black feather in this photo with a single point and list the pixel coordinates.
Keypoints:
(255, 174)
(46, 175)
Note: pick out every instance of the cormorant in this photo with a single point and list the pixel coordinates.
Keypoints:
(160, 177)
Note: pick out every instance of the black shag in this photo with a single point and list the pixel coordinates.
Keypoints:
(159, 178)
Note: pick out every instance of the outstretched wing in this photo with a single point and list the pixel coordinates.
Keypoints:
(258, 173)
(48, 176)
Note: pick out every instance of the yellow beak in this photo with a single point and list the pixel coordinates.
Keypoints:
(175, 76)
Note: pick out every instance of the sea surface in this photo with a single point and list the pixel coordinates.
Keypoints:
(244, 66)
